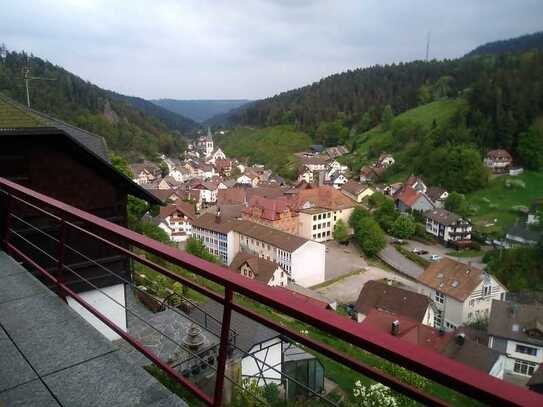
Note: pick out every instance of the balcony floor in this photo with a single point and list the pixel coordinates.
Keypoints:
(50, 356)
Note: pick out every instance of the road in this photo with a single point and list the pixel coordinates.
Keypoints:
(341, 260)
(396, 260)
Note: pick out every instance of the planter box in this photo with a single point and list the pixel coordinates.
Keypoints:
(151, 302)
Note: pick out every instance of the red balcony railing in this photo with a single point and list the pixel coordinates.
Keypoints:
(431, 365)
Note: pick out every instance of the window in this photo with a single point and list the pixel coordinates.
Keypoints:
(527, 350)
(438, 319)
(486, 290)
(314, 227)
(314, 217)
(524, 367)
(439, 297)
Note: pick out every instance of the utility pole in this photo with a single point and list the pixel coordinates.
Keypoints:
(428, 45)
(28, 78)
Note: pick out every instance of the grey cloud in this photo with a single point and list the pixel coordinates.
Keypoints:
(248, 49)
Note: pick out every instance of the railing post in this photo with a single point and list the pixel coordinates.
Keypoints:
(223, 346)
(60, 259)
(7, 222)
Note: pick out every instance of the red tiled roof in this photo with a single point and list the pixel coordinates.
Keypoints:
(231, 196)
(408, 196)
(322, 197)
(499, 155)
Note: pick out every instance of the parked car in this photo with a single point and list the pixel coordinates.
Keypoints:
(397, 241)
(420, 252)
(435, 257)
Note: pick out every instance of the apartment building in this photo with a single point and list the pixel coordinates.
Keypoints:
(447, 226)
(218, 236)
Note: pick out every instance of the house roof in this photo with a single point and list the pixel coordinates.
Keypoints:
(520, 322)
(524, 231)
(455, 279)
(162, 194)
(395, 300)
(499, 154)
(14, 115)
(469, 353)
(274, 237)
(183, 207)
(442, 216)
(17, 120)
(408, 196)
(215, 223)
(232, 196)
(325, 196)
(354, 187)
(263, 269)
(537, 377)
(434, 193)
(338, 151)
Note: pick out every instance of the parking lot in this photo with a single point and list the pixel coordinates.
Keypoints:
(341, 260)
(346, 290)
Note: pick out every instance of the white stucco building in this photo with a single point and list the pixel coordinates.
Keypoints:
(461, 293)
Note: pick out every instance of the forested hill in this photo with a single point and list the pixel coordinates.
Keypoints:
(132, 127)
(368, 90)
(520, 44)
(200, 110)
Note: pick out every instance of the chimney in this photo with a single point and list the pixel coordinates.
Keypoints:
(395, 331)
(218, 215)
(460, 338)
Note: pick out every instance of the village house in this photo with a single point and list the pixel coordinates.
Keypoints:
(208, 191)
(218, 236)
(356, 191)
(522, 234)
(498, 161)
(454, 345)
(165, 195)
(371, 174)
(223, 166)
(437, 195)
(180, 173)
(447, 226)
(272, 212)
(176, 220)
(249, 177)
(145, 173)
(335, 152)
(260, 269)
(337, 180)
(394, 300)
(409, 199)
(461, 293)
(168, 183)
(516, 331)
(385, 160)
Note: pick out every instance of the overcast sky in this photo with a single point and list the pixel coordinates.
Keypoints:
(197, 49)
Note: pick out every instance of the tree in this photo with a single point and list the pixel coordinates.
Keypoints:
(164, 169)
(365, 122)
(530, 149)
(442, 87)
(357, 215)
(197, 248)
(370, 236)
(457, 203)
(424, 94)
(386, 118)
(404, 227)
(340, 231)
(386, 215)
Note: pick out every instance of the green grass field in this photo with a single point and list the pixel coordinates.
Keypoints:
(494, 204)
(378, 139)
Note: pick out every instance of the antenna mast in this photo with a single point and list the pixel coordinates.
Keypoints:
(28, 78)
(428, 45)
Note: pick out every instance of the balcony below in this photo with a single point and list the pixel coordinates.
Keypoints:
(50, 356)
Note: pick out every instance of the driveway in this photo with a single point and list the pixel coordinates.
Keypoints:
(346, 291)
(399, 262)
(341, 260)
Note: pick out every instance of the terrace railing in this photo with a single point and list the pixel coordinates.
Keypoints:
(438, 368)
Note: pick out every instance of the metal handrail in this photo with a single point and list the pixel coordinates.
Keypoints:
(430, 364)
